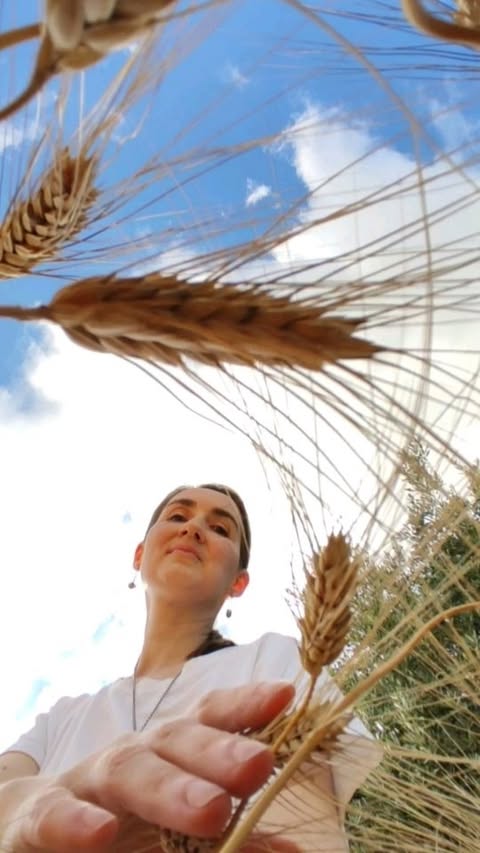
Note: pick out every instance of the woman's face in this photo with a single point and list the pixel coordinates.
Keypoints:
(192, 551)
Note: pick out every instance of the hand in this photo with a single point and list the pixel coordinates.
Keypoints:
(178, 776)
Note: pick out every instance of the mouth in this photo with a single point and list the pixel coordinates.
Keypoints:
(178, 549)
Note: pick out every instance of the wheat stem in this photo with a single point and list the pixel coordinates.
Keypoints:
(22, 34)
(17, 312)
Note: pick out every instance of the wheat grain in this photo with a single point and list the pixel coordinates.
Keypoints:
(36, 229)
(165, 320)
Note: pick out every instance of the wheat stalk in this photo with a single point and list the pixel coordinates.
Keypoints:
(465, 28)
(36, 229)
(165, 320)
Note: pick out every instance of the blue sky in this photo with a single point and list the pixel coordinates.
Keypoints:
(88, 444)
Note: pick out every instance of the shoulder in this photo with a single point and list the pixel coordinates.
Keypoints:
(66, 706)
(273, 643)
(274, 656)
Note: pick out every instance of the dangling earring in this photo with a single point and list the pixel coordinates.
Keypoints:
(133, 584)
(228, 613)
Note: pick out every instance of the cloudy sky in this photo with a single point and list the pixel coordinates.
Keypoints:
(90, 444)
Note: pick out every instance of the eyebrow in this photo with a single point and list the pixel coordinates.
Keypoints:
(223, 513)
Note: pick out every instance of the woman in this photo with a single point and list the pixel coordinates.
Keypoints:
(162, 745)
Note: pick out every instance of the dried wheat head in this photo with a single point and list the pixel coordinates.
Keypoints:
(165, 320)
(36, 229)
(468, 13)
(312, 716)
(79, 33)
(463, 29)
(329, 586)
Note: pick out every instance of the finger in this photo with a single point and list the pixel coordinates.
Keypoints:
(244, 707)
(235, 763)
(139, 782)
(56, 821)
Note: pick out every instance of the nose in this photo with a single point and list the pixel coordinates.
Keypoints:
(192, 527)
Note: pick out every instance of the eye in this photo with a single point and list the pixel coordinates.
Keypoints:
(221, 530)
(177, 516)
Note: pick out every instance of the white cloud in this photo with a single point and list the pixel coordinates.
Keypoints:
(13, 135)
(256, 192)
(456, 128)
(235, 75)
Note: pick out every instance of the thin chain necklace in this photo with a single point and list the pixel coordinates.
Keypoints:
(134, 700)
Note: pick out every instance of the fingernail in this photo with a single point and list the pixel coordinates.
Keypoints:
(93, 818)
(265, 689)
(198, 793)
(243, 750)
(268, 687)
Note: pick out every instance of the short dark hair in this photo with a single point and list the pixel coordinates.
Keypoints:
(245, 533)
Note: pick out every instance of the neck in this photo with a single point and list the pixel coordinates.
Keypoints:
(169, 639)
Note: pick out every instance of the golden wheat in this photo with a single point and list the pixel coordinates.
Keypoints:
(97, 26)
(37, 228)
(468, 13)
(329, 588)
(302, 727)
(465, 28)
(165, 320)
(79, 34)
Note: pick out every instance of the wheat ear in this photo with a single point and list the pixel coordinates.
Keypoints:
(329, 587)
(78, 34)
(287, 733)
(36, 229)
(165, 320)
(465, 28)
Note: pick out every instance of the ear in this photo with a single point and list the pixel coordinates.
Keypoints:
(240, 584)
(137, 557)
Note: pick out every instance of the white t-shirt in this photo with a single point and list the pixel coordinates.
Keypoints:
(74, 728)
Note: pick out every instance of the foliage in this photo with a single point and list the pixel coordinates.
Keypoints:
(427, 710)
